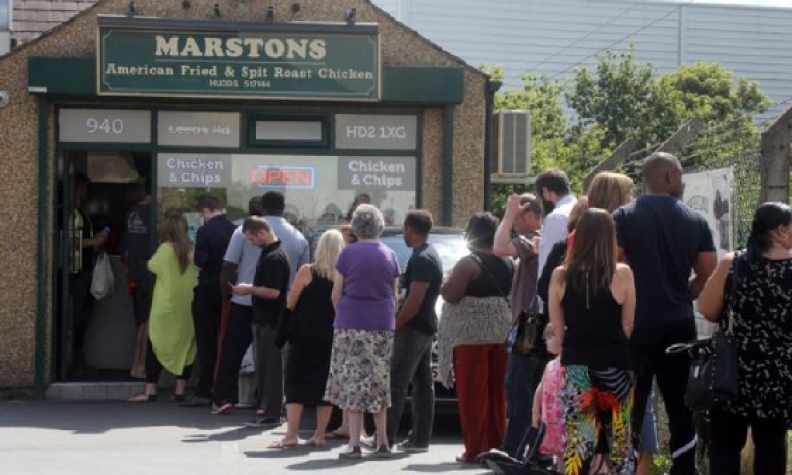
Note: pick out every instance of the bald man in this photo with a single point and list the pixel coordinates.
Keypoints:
(670, 249)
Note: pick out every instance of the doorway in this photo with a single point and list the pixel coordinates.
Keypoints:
(95, 338)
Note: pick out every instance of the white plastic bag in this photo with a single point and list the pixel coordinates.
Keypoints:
(102, 282)
(248, 365)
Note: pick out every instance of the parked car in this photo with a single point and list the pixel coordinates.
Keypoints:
(451, 246)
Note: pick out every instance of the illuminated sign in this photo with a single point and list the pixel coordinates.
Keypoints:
(275, 176)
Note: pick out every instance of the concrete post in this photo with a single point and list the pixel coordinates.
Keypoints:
(775, 159)
(616, 158)
(681, 137)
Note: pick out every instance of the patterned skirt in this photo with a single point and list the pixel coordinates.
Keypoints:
(360, 366)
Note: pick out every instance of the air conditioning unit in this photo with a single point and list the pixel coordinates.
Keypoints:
(514, 142)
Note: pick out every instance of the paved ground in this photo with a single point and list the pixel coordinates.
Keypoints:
(123, 438)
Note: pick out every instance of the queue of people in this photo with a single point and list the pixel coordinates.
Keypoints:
(612, 278)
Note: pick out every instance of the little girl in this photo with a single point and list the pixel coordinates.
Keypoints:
(547, 405)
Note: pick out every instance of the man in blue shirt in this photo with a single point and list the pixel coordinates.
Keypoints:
(211, 244)
(670, 249)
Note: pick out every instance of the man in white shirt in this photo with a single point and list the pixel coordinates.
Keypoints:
(553, 186)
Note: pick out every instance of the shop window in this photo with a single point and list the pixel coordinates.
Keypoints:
(319, 190)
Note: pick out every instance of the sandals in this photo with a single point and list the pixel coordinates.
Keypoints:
(463, 458)
(335, 435)
(280, 444)
(143, 397)
(314, 444)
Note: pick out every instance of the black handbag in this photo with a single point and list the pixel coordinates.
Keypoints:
(526, 335)
(713, 380)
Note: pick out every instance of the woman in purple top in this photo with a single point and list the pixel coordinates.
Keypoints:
(364, 293)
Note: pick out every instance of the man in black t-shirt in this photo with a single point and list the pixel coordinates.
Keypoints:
(140, 248)
(416, 324)
(665, 242)
(269, 287)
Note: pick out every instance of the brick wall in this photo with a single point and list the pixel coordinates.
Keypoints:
(34, 17)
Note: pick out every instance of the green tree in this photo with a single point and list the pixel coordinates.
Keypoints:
(622, 99)
(628, 101)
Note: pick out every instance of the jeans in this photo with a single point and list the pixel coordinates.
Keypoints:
(650, 360)
(411, 364)
(269, 370)
(728, 439)
(523, 375)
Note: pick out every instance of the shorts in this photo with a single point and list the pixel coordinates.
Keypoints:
(649, 441)
(141, 300)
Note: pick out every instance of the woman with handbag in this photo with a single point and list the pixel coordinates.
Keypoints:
(309, 331)
(757, 300)
(475, 320)
(592, 307)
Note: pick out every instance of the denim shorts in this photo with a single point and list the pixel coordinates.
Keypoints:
(649, 428)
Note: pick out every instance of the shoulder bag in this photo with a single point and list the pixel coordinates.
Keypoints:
(712, 380)
(525, 336)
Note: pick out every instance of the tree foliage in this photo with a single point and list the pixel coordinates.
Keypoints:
(578, 122)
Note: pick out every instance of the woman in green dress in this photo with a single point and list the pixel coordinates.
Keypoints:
(171, 338)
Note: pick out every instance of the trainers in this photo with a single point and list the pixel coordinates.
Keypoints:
(369, 442)
(263, 423)
(222, 408)
(349, 452)
(383, 452)
(412, 447)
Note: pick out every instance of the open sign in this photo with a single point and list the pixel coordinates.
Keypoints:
(274, 176)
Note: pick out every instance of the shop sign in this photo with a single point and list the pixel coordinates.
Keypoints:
(377, 173)
(104, 126)
(277, 176)
(183, 170)
(291, 62)
(198, 129)
(376, 132)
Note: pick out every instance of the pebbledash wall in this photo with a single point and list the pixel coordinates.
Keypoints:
(57, 70)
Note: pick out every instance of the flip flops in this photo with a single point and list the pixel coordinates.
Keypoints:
(280, 444)
(314, 444)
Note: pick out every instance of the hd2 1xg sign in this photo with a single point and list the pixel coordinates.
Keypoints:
(160, 57)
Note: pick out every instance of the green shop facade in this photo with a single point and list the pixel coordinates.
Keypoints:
(323, 101)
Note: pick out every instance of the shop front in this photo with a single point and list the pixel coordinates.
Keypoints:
(168, 104)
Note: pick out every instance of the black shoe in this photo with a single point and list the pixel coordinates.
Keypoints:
(383, 452)
(196, 401)
(350, 453)
(263, 423)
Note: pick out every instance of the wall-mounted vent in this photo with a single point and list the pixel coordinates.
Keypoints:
(514, 142)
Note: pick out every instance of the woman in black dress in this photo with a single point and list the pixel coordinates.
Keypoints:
(760, 301)
(310, 341)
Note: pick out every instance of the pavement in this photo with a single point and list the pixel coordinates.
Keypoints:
(86, 438)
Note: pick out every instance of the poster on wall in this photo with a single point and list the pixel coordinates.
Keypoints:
(710, 193)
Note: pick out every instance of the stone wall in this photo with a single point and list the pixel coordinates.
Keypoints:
(76, 38)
